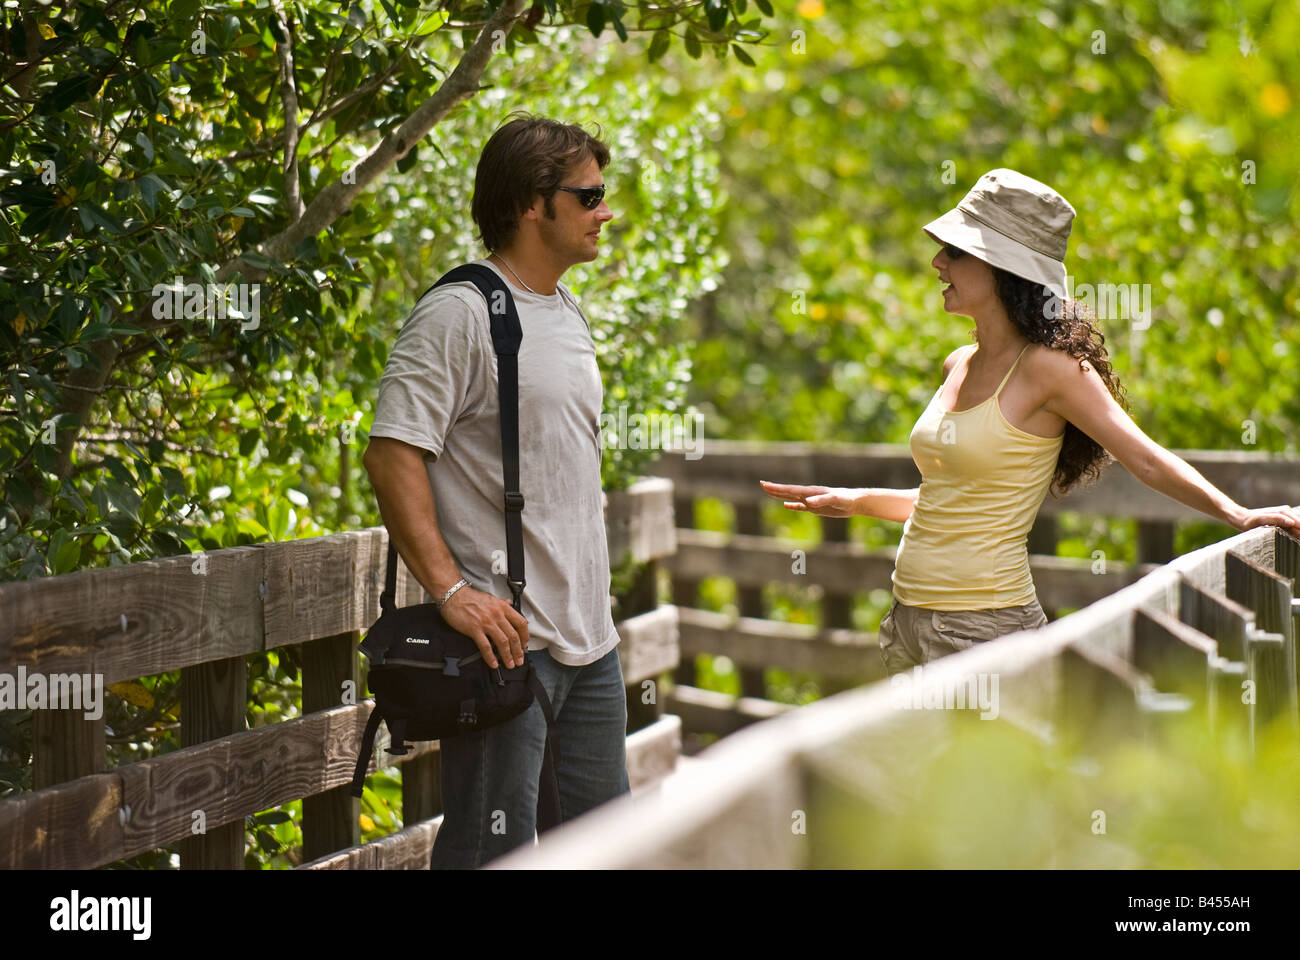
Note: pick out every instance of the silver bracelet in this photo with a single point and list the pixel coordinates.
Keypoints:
(462, 582)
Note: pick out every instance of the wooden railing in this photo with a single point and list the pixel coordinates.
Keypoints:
(203, 616)
(1199, 632)
(843, 657)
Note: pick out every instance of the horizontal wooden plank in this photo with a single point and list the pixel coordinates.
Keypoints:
(135, 620)
(651, 755)
(73, 826)
(147, 618)
(731, 470)
(707, 711)
(753, 642)
(653, 750)
(752, 561)
(152, 803)
(407, 849)
(649, 644)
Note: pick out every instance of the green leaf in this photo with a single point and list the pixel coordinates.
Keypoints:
(67, 558)
(693, 48)
(766, 7)
(278, 515)
(149, 186)
(256, 260)
(93, 216)
(659, 44)
(716, 12)
(118, 470)
(596, 19)
(95, 331)
(742, 56)
(70, 90)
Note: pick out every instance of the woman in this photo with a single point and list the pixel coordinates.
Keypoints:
(1032, 404)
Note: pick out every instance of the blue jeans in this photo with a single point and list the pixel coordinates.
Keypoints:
(489, 778)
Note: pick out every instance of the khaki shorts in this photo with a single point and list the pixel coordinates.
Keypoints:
(911, 636)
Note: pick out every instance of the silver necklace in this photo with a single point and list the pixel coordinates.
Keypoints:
(517, 277)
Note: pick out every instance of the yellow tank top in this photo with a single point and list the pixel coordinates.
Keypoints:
(982, 482)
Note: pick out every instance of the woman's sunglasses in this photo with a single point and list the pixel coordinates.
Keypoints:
(589, 197)
(953, 253)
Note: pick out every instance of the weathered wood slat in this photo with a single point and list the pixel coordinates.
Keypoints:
(749, 641)
(640, 521)
(136, 620)
(1213, 614)
(706, 711)
(749, 598)
(214, 698)
(1273, 661)
(1099, 696)
(330, 670)
(407, 849)
(1178, 658)
(226, 779)
(66, 745)
(652, 751)
(649, 644)
(846, 654)
(76, 825)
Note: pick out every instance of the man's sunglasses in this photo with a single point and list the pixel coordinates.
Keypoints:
(953, 253)
(589, 197)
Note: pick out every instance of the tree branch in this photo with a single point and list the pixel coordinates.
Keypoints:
(289, 100)
(330, 203)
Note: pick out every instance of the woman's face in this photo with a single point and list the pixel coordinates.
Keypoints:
(970, 283)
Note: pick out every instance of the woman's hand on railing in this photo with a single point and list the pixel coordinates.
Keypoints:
(823, 501)
(1279, 516)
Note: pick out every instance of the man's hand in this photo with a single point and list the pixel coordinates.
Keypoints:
(489, 621)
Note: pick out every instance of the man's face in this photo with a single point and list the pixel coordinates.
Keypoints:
(572, 235)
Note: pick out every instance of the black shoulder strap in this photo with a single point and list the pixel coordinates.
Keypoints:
(507, 335)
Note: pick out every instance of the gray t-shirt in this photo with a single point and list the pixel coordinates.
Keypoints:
(439, 393)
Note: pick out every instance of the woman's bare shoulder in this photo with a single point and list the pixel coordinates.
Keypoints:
(1053, 370)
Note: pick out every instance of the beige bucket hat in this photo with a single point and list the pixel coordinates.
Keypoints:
(1014, 222)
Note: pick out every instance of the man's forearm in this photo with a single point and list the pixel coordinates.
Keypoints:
(407, 506)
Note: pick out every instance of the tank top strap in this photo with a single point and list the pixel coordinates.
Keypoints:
(1013, 368)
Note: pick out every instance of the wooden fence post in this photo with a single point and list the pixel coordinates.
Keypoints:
(749, 520)
(214, 698)
(641, 597)
(685, 590)
(1272, 646)
(1155, 541)
(330, 820)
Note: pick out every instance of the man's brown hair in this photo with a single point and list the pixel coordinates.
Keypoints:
(527, 156)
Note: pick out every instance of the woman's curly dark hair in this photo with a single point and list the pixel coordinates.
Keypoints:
(1068, 325)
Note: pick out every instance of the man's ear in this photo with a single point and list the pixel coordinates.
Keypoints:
(537, 210)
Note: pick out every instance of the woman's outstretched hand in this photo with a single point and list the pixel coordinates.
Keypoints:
(823, 501)
(1279, 516)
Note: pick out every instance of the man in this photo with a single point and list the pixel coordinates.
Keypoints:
(434, 459)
